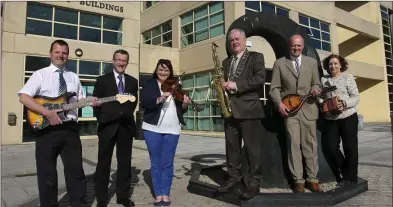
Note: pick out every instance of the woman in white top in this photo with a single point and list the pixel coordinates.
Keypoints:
(342, 125)
(162, 119)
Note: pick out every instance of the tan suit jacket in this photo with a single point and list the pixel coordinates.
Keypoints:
(285, 81)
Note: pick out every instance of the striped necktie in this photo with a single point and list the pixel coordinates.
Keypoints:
(297, 65)
(232, 69)
(120, 86)
(62, 83)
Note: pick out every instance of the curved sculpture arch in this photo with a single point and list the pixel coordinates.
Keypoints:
(276, 30)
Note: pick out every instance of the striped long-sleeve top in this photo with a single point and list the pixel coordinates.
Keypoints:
(347, 90)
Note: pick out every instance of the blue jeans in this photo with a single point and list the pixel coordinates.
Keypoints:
(162, 149)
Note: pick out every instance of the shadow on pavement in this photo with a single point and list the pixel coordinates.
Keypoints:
(90, 190)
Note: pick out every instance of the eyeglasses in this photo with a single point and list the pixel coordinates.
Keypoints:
(122, 61)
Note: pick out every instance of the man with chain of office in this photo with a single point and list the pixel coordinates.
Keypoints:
(245, 74)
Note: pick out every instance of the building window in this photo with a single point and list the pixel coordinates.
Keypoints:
(147, 4)
(160, 35)
(387, 39)
(88, 71)
(257, 6)
(318, 31)
(64, 23)
(203, 23)
(209, 119)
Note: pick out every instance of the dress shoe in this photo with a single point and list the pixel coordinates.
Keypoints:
(249, 193)
(159, 203)
(299, 188)
(165, 203)
(342, 183)
(313, 187)
(228, 185)
(125, 202)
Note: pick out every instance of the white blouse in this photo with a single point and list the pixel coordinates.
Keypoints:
(347, 90)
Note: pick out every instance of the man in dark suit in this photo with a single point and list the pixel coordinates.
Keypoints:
(245, 72)
(116, 126)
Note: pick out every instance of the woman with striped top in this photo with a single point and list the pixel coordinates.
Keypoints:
(342, 126)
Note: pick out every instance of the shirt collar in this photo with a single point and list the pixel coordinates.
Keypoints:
(299, 58)
(117, 74)
(241, 54)
(55, 68)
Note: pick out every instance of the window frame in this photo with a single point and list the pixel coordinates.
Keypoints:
(309, 27)
(78, 25)
(265, 2)
(161, 34)
(145, 6)
(209, 26)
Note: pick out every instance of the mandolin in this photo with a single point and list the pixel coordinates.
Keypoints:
(61, 103)
(294, 102)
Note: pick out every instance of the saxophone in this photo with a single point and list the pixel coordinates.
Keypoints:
(216, 83)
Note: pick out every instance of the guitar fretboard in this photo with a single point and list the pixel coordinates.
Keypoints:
(81, 104)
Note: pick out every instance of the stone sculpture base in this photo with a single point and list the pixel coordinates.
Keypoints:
(217, 175)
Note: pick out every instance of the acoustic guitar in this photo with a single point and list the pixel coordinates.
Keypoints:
(294, 102)
(61, 103)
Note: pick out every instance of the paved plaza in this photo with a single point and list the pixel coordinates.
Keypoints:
(19, 183)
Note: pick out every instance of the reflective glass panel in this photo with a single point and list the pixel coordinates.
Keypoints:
(38, 27)
(65, 15)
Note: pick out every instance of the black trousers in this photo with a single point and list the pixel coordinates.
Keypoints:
(251, 132)
(123, 140)
(61, 140)
(344, 166)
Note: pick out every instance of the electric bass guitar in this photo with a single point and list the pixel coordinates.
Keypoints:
(294, 102)
(61, 103)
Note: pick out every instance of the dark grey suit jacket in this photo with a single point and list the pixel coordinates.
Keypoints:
(249, 79)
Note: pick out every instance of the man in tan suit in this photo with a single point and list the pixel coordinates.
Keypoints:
(298, 74)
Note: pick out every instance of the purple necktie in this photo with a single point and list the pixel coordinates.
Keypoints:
(120, 86)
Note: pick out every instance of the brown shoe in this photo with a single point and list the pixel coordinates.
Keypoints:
(313, 187)
(299, 188)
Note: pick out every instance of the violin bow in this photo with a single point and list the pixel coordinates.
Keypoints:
(173, 90)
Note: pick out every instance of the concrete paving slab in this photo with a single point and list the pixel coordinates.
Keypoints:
(375, 156)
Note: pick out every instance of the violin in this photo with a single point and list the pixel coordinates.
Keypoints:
(172, 86)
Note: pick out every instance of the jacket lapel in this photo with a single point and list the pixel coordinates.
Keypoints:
(303, 67)
(226, 68)
(126, 83)
(112, 82)
(288, 63)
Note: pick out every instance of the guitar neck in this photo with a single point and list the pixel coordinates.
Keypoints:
(81, 104)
